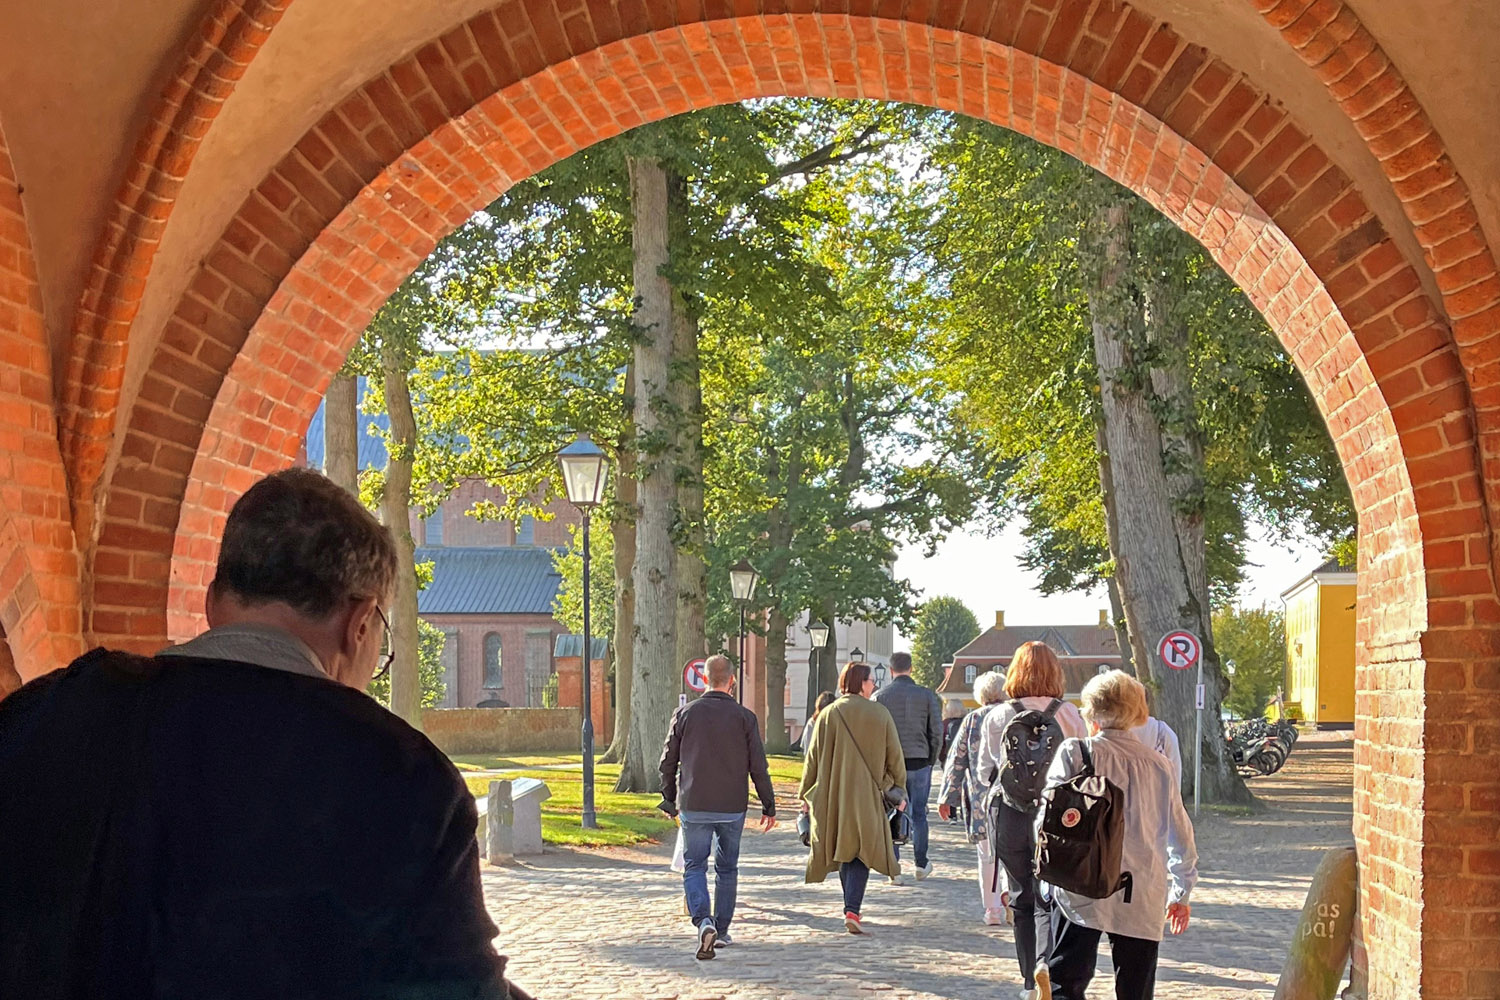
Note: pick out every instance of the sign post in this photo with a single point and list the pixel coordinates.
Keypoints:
(1182, 650)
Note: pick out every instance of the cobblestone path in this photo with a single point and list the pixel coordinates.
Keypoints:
(609, 925)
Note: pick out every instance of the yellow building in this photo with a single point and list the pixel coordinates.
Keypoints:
(1320, 646)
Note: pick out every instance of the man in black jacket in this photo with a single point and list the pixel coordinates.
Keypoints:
(918, 712)
(715, 742)
(235, 817)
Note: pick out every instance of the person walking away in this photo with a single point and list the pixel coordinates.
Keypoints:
(1019, 740)
(852, 765)
(918, 712)
(254, 825)
(713, 750)
(1159, 736)
(953, 718)
(963, 793)
(1159, 851)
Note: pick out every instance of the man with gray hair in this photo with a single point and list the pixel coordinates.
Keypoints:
(715, 744)
(234, 817)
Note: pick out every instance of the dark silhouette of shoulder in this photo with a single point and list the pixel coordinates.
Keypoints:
(210, 822)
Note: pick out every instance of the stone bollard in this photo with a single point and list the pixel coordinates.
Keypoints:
(1320, 952)
(500, 824)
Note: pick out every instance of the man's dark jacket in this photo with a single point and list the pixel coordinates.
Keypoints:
(716, 741)
(919, 719)
(186, 828)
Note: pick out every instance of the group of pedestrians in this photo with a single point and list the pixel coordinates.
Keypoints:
(1022, 769)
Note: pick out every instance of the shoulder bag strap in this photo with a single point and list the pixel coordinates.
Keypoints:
(1053, 706)
(1088, 758)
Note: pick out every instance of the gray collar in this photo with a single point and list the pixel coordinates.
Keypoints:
(262, 645)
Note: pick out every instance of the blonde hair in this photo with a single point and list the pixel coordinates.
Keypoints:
(1115, 700)
(989, 687)
(1034, 673)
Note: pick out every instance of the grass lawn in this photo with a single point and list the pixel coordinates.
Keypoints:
(624, 818)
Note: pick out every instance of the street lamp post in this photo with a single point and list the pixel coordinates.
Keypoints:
(856, 655)
(585, 472)
(742, 580)
(818, 633)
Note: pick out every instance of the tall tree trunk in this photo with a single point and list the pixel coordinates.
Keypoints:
(1112, 582)
(653, 690)
(692, 567)
(1151, 568)
(1122, 633)
(623, 528)
(776, 740)
(406, 690)
(341, 432)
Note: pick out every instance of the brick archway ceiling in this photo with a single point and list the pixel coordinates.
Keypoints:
(39, 609)
(228, 39)
(411, 153)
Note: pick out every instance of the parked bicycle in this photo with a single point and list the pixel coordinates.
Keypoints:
(1259, 746)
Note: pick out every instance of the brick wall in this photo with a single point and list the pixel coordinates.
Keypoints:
(461, 530)
(470, 632)
(38, 563)
(502, 730)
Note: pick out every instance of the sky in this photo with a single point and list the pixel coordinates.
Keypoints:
(985, 573)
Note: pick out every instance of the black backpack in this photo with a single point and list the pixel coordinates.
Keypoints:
(1082, 837)
(1028, 744)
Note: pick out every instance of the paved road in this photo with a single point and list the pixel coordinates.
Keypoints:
(609, 925)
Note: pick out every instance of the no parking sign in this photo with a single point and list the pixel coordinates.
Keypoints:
(695, 675)
(1180, 650)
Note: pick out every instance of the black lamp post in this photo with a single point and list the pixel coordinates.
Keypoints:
(856, 655)
(584, 472)
(742, 580)
(818, 633)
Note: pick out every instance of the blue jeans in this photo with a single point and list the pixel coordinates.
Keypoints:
(724, 838)
(854, 876)
(918, 788)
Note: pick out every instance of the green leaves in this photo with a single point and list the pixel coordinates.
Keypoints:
(944, 626)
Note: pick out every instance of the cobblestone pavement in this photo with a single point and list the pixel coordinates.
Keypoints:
(583, 925)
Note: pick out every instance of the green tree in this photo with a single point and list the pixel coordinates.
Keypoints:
(1252, 642)
(944, 626)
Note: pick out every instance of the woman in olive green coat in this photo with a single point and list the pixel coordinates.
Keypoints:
(853, 756)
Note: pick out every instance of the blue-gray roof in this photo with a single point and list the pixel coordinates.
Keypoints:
(569, 645)
(509, 580)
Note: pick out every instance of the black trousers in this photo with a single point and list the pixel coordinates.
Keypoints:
(1075, 953)
(1017, 847)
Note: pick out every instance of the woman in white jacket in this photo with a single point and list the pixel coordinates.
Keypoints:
(1034, 681)
(1159, 852)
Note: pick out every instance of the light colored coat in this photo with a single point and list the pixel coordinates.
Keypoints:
(848, 816)
(961, 788)
(1160, 852)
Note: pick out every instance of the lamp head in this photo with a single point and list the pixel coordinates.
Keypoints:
(819, 633)
(742, 580)
(585, 472)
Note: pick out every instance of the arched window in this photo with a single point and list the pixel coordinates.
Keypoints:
(492, 676)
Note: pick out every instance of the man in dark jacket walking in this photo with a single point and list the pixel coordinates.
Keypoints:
(715, 743)
(918, 712)
(251, 824)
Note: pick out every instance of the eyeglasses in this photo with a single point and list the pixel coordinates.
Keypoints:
(390, 647)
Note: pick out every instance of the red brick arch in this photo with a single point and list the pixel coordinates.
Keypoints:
(39, 610)
(347, 214)
(227, 40)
